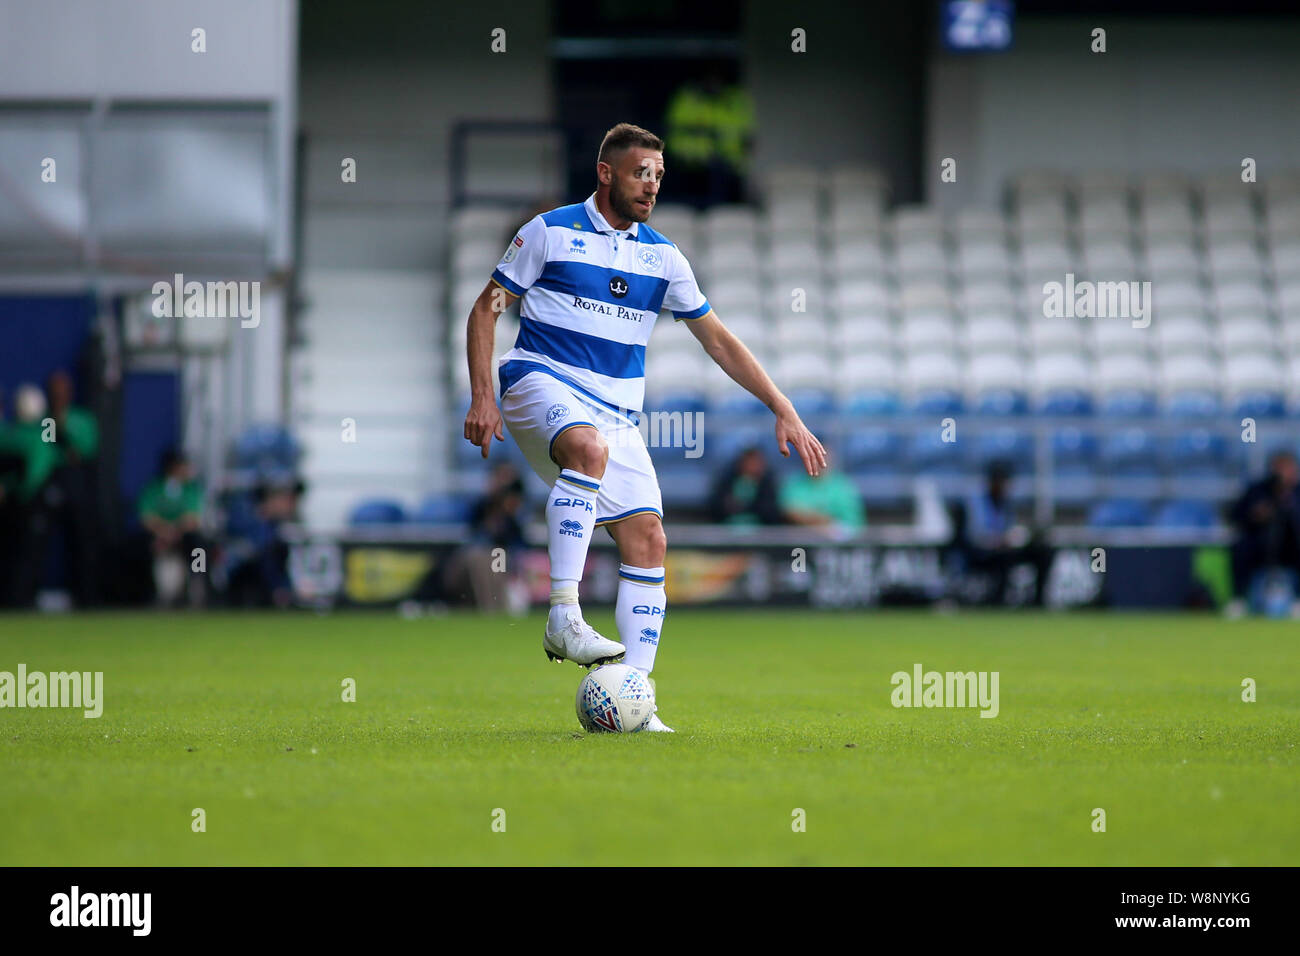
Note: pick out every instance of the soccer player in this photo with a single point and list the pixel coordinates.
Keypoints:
(593, 277)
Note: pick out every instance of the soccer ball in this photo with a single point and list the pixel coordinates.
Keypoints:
(615, 699)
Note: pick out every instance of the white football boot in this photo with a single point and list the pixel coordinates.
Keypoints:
(654, 725)
(578, 641)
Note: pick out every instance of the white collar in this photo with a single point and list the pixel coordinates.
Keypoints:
(599, 221)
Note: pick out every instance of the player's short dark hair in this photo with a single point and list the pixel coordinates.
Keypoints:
(624, 136)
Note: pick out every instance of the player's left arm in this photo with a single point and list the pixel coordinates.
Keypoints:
(735, 358)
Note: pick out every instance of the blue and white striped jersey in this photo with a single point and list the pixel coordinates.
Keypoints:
(591, 295)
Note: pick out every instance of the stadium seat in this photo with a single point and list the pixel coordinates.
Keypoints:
(443, 509)
(1185, 514)
(1005, 444)
(1118, 513)
(1130, 450)
(377, 511)
(266, 448)
(872, 451)
(928, 453)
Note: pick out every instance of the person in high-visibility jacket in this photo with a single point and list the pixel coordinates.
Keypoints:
(709, 130)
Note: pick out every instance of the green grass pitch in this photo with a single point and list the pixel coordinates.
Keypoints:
(458, 717)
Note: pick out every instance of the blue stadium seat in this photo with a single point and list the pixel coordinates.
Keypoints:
(1074, 465)
(1193, 405)
(872, 451)
(1130, 451)
(1067, 401)
(930, 454)
(1260, 405)
(812, 401)
(737, 401)
(937, 402)
(1129, 403)
(1118, 513)
(872, 401)
(444, 509)
(1198, 449)
(685, 484)
(377, 511)
(1072, 448)
(1002, 401)
(721, 448)
(1185, 514)
(266, 448)
(1006, 444)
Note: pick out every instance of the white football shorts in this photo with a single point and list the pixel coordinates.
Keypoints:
(539, 408)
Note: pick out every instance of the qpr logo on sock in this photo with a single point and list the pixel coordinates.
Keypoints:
(618, 287)
(573, 503)
(557, 412)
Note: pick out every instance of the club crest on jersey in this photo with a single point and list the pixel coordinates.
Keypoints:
(649, 636)
(557, 412)
(650, 258)
(618, 287)
(570, 527)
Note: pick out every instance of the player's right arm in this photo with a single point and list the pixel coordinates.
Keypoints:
(484, 418)
(518, 269)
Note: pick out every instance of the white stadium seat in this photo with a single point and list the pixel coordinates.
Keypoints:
(993, 333)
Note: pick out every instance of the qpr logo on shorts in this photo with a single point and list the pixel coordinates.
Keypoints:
(650, 258)
(557, 412)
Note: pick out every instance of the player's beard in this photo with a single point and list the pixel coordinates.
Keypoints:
(625, 207)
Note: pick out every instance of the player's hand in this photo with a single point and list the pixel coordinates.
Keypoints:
(482, 422)
(790, 430)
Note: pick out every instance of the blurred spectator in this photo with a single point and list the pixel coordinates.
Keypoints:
(710, 127)
(830, 501)
(70, 496)
(29, 456)
(486, 569)
(991, 542)
(745, 494)
(257, 553)
(1267, 516)
(497, 518)
(171, 511)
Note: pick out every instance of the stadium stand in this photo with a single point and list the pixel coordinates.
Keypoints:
(880, 323)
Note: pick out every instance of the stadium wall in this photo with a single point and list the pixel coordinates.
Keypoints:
(1145, 104)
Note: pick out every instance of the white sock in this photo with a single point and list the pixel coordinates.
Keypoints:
(639, 613)
(570, 519)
